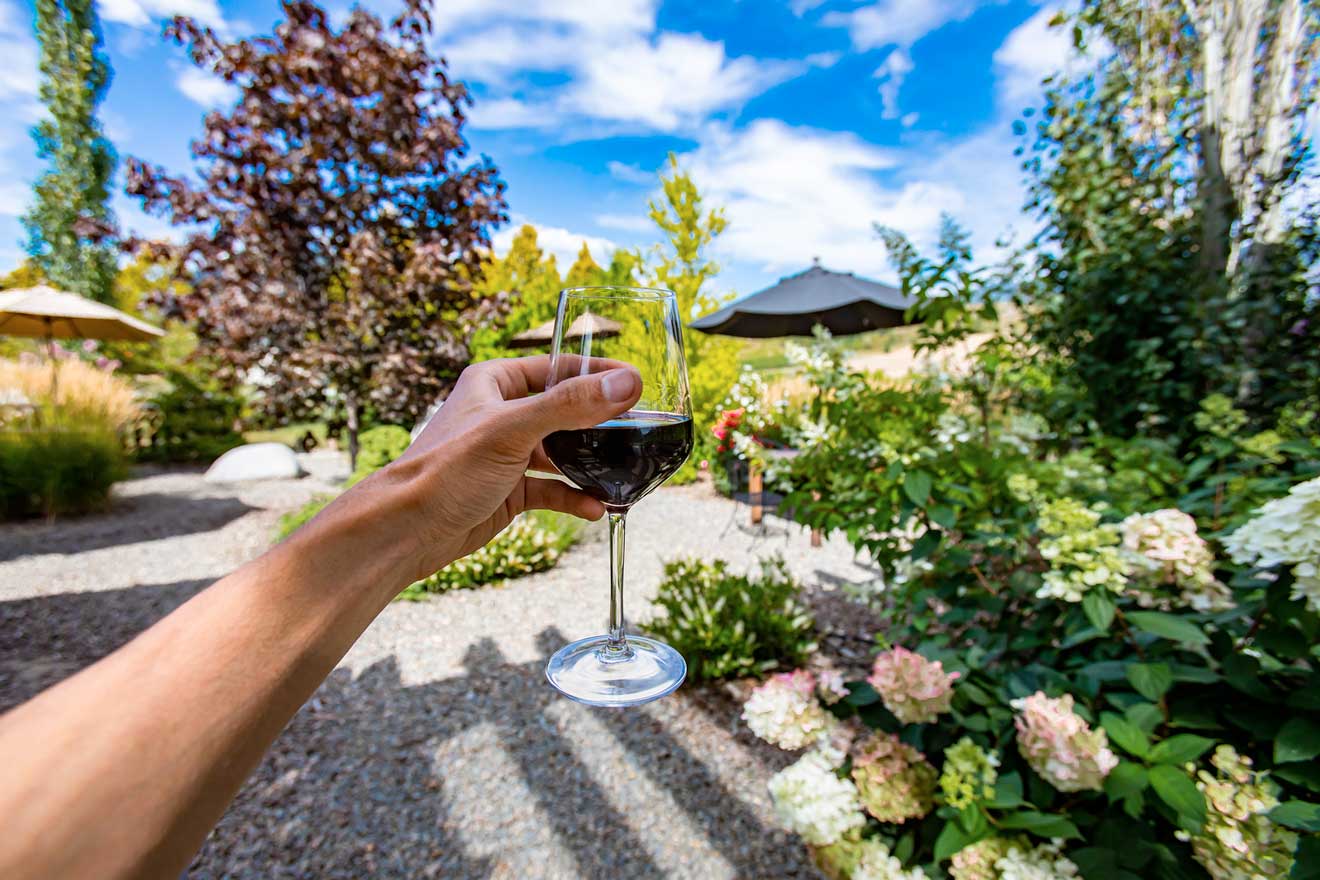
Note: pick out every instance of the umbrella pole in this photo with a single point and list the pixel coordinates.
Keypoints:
(54, 362)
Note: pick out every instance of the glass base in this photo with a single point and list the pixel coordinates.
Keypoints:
(589, 672)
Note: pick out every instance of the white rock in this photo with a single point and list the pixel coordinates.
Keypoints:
(255, 461)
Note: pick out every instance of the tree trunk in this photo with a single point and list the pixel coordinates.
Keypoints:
(351, 415)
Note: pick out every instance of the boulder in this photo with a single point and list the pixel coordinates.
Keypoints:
(255, 461)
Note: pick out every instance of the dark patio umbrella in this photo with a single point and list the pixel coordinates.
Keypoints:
(840, 301)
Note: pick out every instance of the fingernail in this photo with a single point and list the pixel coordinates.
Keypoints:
(618, 385)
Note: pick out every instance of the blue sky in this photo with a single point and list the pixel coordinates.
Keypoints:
(809, 121)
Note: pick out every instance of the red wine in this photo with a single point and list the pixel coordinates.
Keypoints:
(619, 461)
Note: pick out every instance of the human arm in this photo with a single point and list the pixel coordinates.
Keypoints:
(121, 770)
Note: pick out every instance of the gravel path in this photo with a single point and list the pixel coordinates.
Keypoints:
(436, 749)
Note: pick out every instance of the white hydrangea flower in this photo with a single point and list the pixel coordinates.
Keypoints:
(811, 800)
(1044, 862)
(877, 863)
(1285, 531)
(785, 712)
(1165, 550)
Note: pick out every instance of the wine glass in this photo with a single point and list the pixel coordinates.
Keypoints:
(618, 462)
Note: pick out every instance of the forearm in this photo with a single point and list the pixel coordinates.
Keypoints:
(195, 701)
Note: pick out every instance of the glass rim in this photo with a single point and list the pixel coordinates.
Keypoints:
(617, 291)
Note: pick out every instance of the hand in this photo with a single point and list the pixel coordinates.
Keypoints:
(464, 478)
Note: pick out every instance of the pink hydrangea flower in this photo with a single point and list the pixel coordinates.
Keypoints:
(913, 688)
(894, 780)
(1060, 745)
(784, 711)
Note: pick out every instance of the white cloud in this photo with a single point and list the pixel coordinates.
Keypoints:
(630, 173)
(823, 59)
(14, 197)
(1033, 51)
(619, 69)
(899, 22)
(147, 13)
(625, 222)
(205, 89)
(794, 193)
(802, 7)
(586, 15)
(891, 73)
(561, 242)
(910, 119)
(494, 52)
(494, 114)
(679, 79)
(18, 74)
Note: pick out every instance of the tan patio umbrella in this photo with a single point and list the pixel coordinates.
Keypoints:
(43, 312)
(595, 326)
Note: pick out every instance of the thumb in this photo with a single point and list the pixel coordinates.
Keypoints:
(579, 402)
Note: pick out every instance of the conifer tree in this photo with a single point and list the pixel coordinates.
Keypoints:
(70, 217)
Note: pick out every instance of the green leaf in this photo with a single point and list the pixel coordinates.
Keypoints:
(942, 515)
(1176, 789)
(1128, 736)
(1040, 824)
(1008, 792)
(952, 838)
(972, 818)
(861, 694)
(1180, 749)
(1147, 716)
(1098, 863)
(926, 544)
(1126, 779)
(1298, 740)
(1298, 815)
(916, 485)
(1306, 860)
(1099, 610)
(1105, 670)
(1306, 774)
(1152, 680)
(1168, 626)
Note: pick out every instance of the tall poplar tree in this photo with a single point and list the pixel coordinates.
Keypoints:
(70, 216)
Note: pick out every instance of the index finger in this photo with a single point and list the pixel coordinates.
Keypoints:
(519, 377)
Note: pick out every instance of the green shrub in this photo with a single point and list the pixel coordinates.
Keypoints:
(192, 421)
(380, 446)
(57, 469)
(294, 520)
(1084, 641)
(728, 625)
(533, 542)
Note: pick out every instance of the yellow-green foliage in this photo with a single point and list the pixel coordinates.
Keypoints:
(683, 268)
(532, 278)
(585, 271)
(84, 397)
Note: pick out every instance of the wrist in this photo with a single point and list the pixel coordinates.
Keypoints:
(368, 536)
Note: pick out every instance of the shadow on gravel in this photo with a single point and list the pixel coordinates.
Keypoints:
(354, 788)
(130, 520)
(45, 639)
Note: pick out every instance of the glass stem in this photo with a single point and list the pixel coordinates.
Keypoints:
(617, 645)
